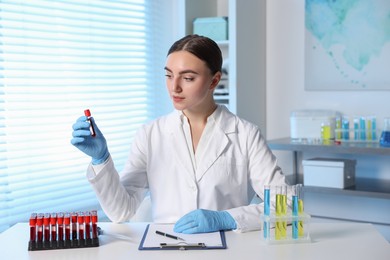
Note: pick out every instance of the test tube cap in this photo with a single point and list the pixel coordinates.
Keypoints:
(53, 218)
(33, 219)
(46, 219)
(87, 112)
(67, 219)
(74, 217)
(80, 218)
(60, 218)
(87, 217)
(94, 216)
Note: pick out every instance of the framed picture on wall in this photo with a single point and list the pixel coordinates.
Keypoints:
(347, 45)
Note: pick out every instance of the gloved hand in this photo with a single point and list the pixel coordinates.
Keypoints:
(94, 146)
(203, 221)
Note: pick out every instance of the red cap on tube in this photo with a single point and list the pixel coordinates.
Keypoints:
(87, 112)
(40, 219)
(80, 218)
(67, 219)
(87, 217)
(94, 216)
(33, 219)
(46, 219)
(60, 218)
(53, 218)
(74, 217)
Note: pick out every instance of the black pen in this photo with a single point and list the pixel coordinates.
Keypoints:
(168, 235)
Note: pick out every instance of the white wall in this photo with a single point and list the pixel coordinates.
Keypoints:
(285, 92)
(285, 75)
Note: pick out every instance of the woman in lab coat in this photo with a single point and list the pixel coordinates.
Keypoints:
(201, 164)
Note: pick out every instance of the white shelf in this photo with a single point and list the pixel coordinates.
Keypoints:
(214, 8)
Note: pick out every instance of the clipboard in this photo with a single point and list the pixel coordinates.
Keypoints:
(204, 241)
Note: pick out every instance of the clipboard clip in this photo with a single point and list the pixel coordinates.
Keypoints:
(182, 245)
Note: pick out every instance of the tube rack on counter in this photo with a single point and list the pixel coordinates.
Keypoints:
(63, 230)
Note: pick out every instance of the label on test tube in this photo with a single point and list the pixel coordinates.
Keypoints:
(87, 113)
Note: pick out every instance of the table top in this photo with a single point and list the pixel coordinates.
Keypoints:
(120, 241)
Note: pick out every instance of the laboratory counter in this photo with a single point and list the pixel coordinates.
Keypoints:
(120, 241)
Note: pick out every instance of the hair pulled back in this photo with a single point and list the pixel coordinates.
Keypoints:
(202, 47)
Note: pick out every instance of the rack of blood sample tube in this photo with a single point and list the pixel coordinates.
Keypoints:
(63, 230)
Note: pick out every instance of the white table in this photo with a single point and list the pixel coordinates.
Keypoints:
(329, 241)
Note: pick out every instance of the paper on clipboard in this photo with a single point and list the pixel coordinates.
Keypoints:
(151, 240)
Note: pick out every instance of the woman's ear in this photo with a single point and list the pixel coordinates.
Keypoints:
(216, 78)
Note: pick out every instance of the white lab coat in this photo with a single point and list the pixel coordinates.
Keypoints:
(237, 165)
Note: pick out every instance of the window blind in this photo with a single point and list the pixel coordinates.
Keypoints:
(57, 59)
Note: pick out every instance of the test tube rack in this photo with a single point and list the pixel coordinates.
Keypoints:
(63, 230)
(286, 229)
(283, 225)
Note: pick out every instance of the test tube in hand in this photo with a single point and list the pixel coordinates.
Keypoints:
(87, 113)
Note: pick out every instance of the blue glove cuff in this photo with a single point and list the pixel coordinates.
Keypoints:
(229, 221)
(101, 160)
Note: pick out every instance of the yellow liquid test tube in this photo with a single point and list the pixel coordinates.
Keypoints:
(300, 223)
(284, 211)
(369, 129)
(278, 213)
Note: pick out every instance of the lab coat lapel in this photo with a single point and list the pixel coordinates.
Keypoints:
(180, 149)
(217, 143)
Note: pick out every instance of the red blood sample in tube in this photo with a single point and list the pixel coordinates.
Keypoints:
(87, 221)
(53, 224)
(60, 221)
(87, 113)
(67, 226)
(46, 225)
(94, 224)
(80, 220)
(74, 225)
(40, 227)
(33, 230)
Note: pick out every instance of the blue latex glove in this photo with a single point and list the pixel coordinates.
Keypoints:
(203, 221)
(94, 146)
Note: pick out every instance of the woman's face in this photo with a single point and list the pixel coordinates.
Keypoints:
(189, 81)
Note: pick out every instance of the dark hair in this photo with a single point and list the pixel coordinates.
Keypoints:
(202, 47)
